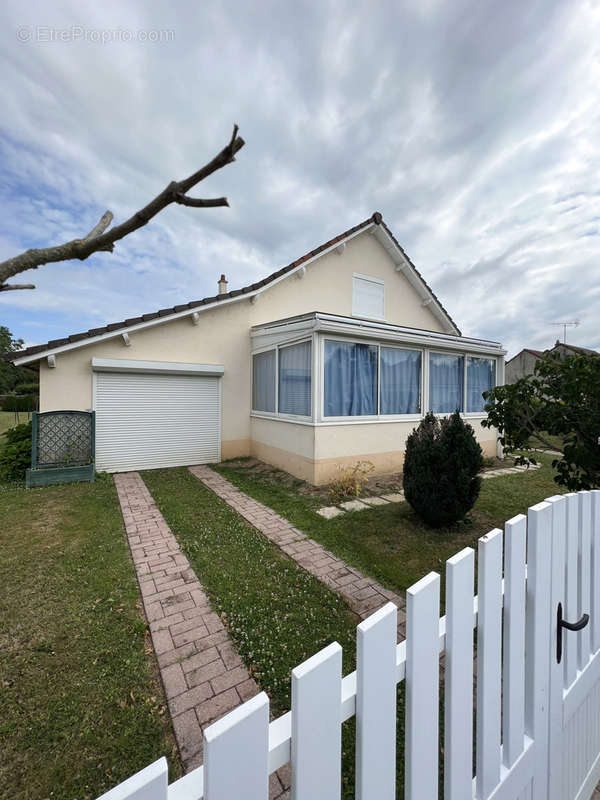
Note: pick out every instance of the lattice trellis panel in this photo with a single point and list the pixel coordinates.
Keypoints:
(64, 438)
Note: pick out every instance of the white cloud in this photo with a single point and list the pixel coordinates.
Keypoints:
(472, 126)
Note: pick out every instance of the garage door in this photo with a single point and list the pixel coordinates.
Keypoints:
(146, 421)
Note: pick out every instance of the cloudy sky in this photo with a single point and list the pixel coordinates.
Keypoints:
(472, 126)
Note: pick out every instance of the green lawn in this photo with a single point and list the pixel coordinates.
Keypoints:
(277, 613)
(390, 542)
(81, 706)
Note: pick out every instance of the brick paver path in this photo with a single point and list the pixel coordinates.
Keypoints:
(201, 671)
(363, 595)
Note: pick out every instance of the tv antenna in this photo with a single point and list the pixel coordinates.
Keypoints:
(564, 325)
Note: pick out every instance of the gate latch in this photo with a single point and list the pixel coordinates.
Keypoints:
(570, 626)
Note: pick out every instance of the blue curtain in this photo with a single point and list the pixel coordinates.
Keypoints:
(295, 379)
(480, 378)
(400, 381)
(350, 379)
(263, 381)
(446, 375)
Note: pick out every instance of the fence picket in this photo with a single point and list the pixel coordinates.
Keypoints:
(595, 574)
(150, 783)
(559, 529)
(376, 705)
(537, 639)
(458, 676)
(240, 738)
(570, 606)
(422, 688)
(316, 726)
(489, 654)
(513, 698)
(584, 570)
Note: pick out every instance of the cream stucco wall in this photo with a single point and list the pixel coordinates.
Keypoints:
(290, 446)
(222, 336)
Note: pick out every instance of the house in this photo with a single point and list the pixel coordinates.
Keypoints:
(524, 362)
(331, 359)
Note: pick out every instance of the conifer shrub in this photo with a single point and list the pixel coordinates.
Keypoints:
(441, 469)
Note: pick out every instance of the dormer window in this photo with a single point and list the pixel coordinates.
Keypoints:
(368, 297)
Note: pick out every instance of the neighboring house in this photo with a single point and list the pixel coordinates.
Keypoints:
(524, 362)
(334, 358)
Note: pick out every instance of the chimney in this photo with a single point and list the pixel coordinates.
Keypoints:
(222, 284)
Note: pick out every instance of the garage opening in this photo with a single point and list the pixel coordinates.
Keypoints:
(147, 420)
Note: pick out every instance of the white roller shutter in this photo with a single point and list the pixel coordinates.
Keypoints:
(145, 421)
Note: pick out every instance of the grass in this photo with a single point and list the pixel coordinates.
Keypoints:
(81, 706)
(276, 613)
(390, 543)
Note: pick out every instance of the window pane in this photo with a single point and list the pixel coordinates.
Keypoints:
(294, 379)
(400, 381)
(350, 379)
(481, 374)
(446, 375)
(263, 381)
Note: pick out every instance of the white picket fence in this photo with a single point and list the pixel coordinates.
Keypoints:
(526, 702)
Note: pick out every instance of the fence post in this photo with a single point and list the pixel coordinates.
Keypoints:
(376, 705)
(317, 726)
(513, 700)
(538, 627)
(489, 661)
(584, 575)
(458, 676)
(595, 576)
(236, 750)
(150, 783)
(34, 439)
(422, 688)
(93, 436)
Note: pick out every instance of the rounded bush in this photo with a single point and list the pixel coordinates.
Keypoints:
(15, 458)
(441, 469)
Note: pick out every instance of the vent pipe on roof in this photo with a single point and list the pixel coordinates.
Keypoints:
(222, 284)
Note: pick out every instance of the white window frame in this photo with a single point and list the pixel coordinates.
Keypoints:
(465, 354)
(433, 352)
(364, 418)
(370, 279)
(300, 418)
(479, 414)
(318, 417)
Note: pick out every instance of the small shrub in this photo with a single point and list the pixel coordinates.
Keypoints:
(15, 458)
(349, 482)
(441, 467)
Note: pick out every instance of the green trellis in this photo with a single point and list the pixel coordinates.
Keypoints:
(62, 447)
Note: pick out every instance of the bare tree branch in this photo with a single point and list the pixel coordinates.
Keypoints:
(8, 287)
(197, 202)
(100, 239)
(102, 225)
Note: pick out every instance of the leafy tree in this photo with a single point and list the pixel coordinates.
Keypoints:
(560, 400)
(441, 469)
(11, 376)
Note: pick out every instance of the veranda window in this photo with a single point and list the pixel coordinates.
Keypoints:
(400, 381)
(446, 383)
(295, 379)
(350, 379)
(481, 375)
(263, 381)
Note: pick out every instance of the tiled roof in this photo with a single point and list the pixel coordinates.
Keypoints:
(166, 312)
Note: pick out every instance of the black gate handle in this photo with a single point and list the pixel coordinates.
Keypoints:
(570, 626)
